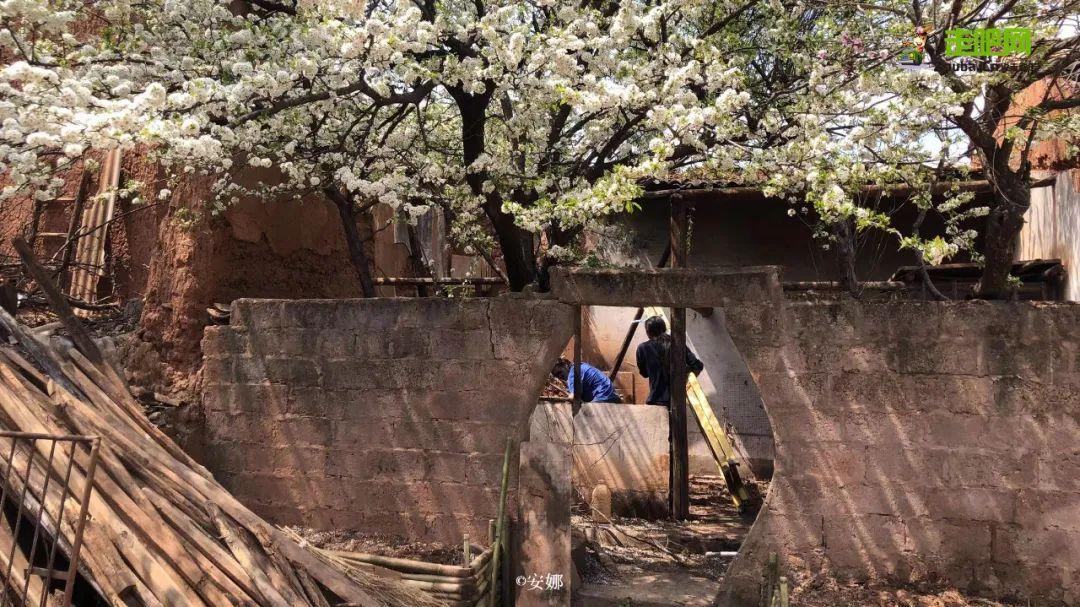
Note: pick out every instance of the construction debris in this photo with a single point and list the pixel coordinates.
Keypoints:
(162, 531)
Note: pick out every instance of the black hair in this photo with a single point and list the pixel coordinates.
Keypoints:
(656, 329)
(561, 369)
(655, 326)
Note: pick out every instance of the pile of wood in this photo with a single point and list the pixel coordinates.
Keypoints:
(454, 585)
(161, 530)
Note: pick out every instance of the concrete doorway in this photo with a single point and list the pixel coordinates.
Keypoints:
(626, 548)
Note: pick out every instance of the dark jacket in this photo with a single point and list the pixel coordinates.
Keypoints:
(654, 362)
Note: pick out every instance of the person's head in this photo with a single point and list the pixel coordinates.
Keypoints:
(561, 369)
(655, 327)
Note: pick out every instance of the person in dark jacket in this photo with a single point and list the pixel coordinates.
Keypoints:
(595, 386)
(654, 361)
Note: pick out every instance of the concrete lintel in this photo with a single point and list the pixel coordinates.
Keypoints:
(670, 287)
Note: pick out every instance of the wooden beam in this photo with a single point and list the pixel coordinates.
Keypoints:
(680, 449)
(706, 193)
(412, 282)
(634, 325)
(576, 405)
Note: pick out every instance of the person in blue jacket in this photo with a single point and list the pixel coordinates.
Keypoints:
(595, 386)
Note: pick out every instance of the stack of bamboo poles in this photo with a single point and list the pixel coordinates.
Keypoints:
(452, 585)
(161, 530)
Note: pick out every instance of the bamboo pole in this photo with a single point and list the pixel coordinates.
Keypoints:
(500, 523)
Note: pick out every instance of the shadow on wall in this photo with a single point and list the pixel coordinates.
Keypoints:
(386, 416)
(913, 439)
(623, 447)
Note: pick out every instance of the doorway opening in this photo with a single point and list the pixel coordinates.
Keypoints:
(626, 543)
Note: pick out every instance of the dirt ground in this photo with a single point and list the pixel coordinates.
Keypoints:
(828, 592)
(702, 546)
(701, 549)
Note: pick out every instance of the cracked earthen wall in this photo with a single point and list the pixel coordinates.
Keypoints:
(912, 438)
(383, 415)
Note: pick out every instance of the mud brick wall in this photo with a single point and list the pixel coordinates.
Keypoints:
(382, 415)
(913, 440)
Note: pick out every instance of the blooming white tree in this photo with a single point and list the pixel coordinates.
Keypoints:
(976, 114)
(515, 117)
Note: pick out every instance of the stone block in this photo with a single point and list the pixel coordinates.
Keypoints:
(1011, 470)
(544, 530)
(292, 371)
(451, 436)
(975, 504)
(1002, 356)
(945, 539)
(312, 313)
(265, 398)
(409, 343)
(422, 497)
(1051, 547)
(221, 341)
(1040, 509)
(313, 401)
(219, 370)
(461, 344)
(261, 313)
(863, 542)
(402, 464)
(1060, 471)
(936, 357)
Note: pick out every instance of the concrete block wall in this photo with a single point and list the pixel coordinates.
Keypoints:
(931, 437)
(912, 438)
(383, 415)
(624, 447)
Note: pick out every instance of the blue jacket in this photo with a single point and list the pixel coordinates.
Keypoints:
(595, 386)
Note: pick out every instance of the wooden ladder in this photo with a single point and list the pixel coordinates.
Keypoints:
(715, 435)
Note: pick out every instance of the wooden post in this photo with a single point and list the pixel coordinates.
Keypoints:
(576, 406)
(634, 325)
(680, 457)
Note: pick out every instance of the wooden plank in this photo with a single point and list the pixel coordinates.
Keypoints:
(576, 370)
(680, 444)
(680, 450)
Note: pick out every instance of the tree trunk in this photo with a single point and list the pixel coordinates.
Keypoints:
(517, 248)
(845, 256)
(355, 243)
(1012, 197)
(515, 243)
(416, 256)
